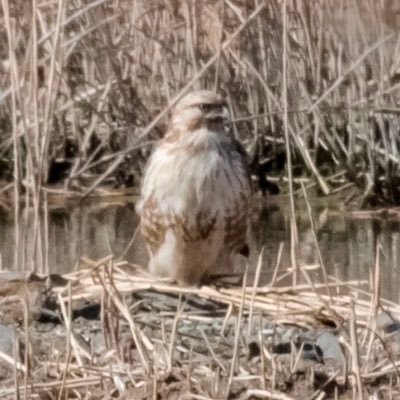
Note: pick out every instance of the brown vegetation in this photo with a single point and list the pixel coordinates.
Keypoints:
(138, 338)
(85, 86)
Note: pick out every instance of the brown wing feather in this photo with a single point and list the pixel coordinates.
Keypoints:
(237, 219)
(238, 147)
(236, 228)
(153, 225)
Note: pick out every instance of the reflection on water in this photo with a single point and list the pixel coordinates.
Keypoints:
(64, 234)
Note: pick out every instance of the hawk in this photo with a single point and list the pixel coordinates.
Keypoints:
(196, 193)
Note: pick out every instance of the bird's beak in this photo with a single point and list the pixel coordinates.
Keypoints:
(219, 113)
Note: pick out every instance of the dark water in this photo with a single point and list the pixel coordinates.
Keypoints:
(63, 234)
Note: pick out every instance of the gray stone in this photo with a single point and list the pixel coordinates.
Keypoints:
(7, 340)
(384, 319)
(99, 343)
(330, 346)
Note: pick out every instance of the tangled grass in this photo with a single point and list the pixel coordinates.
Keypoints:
(85, 87)
(153, 339)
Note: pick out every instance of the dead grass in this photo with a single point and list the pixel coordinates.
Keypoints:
(208, 342)
(85, 89)
(86, 86)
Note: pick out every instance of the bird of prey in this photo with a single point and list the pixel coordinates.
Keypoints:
(196, 193)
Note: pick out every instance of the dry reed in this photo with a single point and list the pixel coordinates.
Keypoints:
(162, 333)
(85, 88)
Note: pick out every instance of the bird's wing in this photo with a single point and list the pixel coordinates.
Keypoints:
(236, 226)
(153, 224)
(237, 218)
(238, 147)
(190, 228)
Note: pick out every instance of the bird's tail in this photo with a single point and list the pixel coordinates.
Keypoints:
(166, 260)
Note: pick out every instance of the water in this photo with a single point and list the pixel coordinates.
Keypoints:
(97, 229)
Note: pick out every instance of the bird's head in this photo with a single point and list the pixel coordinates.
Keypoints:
(200, 109)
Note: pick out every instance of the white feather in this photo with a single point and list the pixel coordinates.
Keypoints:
(184, 183)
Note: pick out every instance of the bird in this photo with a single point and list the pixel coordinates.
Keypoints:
(196, 193)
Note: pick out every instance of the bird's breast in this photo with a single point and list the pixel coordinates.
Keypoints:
(192, 175)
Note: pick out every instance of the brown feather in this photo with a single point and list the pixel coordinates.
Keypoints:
(196, 193)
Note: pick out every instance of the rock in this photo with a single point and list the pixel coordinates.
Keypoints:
(297, 335)
(99, 343)
(7, 340)
(46, 316)
(310, 351)
(383, 319)
(282, 348)
(392, 328)
(330, 346)
(387, 323)
(56, 280)
(88, 311)
(254, 350)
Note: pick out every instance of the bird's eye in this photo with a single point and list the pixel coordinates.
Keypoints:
(205, 107)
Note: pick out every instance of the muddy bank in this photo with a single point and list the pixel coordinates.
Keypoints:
(111, 330)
